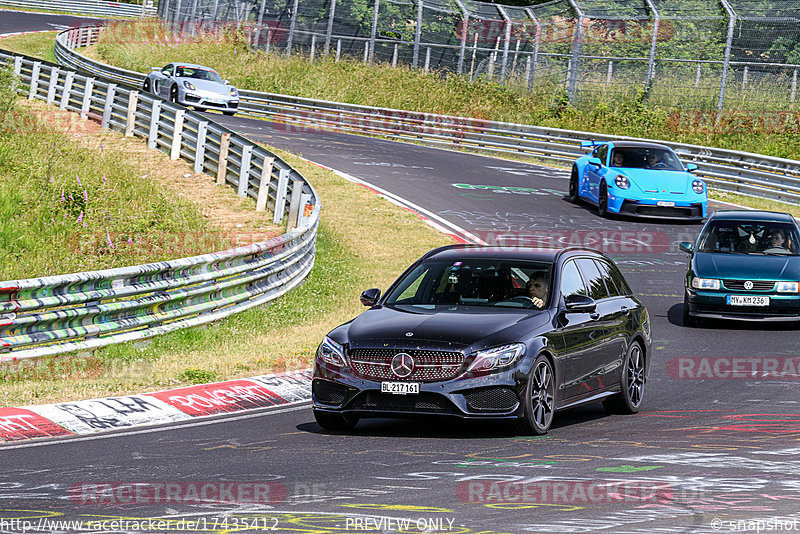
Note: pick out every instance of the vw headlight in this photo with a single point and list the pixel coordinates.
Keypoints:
(496, 358)
(705, 283)
(189, 86)
(622, 182)
(331, 352)
(698, 186)
(788, 287)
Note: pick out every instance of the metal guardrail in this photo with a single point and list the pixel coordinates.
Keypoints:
(86, 7)
(58, 314)
(724, 170)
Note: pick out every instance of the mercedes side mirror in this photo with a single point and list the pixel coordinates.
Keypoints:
(686, 247)
(579, 304)
(370, 297)
(596, 162)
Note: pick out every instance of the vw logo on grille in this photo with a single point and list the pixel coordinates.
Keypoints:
(748, 285)
(402, 365)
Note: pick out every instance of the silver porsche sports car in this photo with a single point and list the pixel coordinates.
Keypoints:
(193, 85)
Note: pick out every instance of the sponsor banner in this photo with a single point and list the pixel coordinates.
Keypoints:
(606, 241)
(737, 368)
(222, 397)
(18, 423)
(126, 493)
(85, 417)
(576, 492)
(294, 386)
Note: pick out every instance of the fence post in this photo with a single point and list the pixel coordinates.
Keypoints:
(338, 49)
(417, 35)
(87, 98)
(108, 106)
(474, 52)
(394, 56)
(259, 23)
(374, 31)
(263, 186)
(155, 119)
(244, 170)
(294, 204)
(507, 44)
(53, 85)
(222, 167)
(697, 76)
(744, 78)
(313, 48)
(68, 81)
(651, 58)
(280, 198)
(292, 27)
(329, 29)
(727, 61)
(133, 103)
(572, 81)
(611, 73)
(794, 85)
(200, 148)
(37, 67)
(427, 59)
(177, 135)
(366, 51)
(462, 48)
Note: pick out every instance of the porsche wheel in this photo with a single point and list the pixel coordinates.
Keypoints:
(632, 381)
(573, 186)
(602, 202)
(539, 399)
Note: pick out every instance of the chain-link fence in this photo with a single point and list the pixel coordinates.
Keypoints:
(689, 54)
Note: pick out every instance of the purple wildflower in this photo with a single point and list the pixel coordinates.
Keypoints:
(85, 195)
(108, 239)
(79, 181)
(104, 178)
(80, 218)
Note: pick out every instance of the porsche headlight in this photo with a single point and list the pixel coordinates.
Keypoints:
(233, 91)
(705, 283)
(698, 186)
(622, 181)
(331, 352)
(189, 85)
(496, 358)
(788, 287)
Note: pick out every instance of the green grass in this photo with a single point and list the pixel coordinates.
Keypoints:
(40, 45)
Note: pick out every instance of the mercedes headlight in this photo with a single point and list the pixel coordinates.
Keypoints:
(331, 352)
(189, 85)
(496, 358)
(622, 181)
(788, 287)
(705, 283)
(698, 186)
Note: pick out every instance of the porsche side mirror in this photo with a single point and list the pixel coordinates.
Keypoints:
(596, 162)
(691, 167)
(165, 73)
(226, 82)
(155, 69)
(686, 247)
(370, 297)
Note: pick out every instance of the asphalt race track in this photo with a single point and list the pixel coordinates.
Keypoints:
(709, 452)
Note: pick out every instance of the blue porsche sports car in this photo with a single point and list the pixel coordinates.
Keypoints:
(638, 179)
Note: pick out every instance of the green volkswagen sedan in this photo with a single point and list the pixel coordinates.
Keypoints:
(745, 265)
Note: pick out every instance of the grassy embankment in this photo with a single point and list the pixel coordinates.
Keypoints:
(135, 206)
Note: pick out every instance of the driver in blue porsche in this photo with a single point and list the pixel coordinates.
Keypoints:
(654, 160)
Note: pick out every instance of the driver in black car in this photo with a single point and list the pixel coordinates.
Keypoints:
(537, 288)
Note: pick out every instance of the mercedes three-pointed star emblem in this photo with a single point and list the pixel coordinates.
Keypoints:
(402, 365)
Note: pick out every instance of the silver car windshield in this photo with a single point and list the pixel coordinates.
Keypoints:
(473, 282)
(199, 74)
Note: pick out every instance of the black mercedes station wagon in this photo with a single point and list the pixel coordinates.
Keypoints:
(481, 332)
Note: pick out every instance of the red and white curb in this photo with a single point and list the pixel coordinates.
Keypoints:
(182, 404)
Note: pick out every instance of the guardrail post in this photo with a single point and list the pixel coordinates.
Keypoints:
(200, 148)
(307, 208)
(263, 186)
(294, 204)
(244, 170)
(37, 67)
(68, 81)
(53, 85)
(18, 65)
(177, 135)
(222, 167)
(155, 117)
(280, 197)
(107, 107)
(87, 98)
(133, 103)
